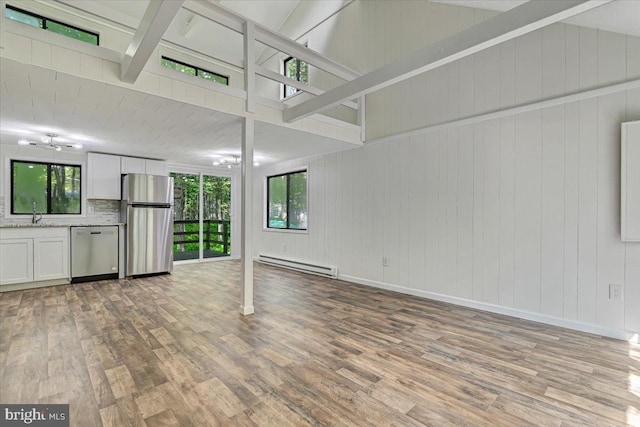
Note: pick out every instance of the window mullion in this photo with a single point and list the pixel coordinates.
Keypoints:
(288, 207)
(48, 189)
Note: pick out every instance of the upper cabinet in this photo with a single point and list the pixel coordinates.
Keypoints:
(132, 165)
(155, 167)
(144, 166)
(105, 170)
(103, 176)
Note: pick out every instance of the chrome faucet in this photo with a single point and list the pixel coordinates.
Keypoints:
(34, 218)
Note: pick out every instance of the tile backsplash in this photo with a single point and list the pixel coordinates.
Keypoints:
(98, 212)
(104, 210)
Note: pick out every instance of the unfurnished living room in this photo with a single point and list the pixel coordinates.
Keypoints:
(319, 213)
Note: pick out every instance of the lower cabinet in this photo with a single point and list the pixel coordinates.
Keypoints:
(34, 254)
(50, 258)
(16, 261)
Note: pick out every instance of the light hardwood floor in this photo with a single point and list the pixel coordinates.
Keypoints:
(174, 351)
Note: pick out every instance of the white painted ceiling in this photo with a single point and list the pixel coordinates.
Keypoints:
(618, 16)
(111, 119)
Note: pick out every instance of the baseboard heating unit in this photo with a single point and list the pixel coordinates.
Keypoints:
(305, 267)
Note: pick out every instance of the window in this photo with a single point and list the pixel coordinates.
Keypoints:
(194, 71)
(54, 188)
(37, 21)
(287, 201)
(296, 70)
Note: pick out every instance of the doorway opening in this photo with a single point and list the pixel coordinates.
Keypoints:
(202, 216)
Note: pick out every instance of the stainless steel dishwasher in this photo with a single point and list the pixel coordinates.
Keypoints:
(94, 253)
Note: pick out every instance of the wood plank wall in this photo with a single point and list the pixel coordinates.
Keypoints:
(522, 212)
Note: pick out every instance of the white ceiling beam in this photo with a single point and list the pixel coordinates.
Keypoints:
(189, 26)
(216, 13)
(272, 75)
(153, 25)
(516, 22)
(270, 38)
(303, 53)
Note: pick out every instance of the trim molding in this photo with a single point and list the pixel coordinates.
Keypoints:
(620, 334)
(247, 310)
(34, 285)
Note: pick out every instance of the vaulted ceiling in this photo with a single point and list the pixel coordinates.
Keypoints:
(112, 119)
(620, 16)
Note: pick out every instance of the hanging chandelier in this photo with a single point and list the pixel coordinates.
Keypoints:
(234, 162)
(47, 142)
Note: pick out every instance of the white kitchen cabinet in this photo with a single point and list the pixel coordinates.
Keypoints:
(16, 261)
(50, 258)
(155, 167)
(144, 166)
(37, 255)
(103, 176)
(132, 165)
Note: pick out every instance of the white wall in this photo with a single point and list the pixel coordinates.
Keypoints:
(520, 212)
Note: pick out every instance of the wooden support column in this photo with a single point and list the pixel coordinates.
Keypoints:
(362, 118)
(246, 250)
(250, 66)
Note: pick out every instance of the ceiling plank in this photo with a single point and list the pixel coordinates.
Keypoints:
(516, 22)
(153, 25)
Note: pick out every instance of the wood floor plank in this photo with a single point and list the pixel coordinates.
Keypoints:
(172, 350)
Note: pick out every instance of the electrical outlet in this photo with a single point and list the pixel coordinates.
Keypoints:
(615, 292)
(284, 248)
(385, 261)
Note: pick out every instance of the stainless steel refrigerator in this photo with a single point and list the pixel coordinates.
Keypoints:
(147, 210)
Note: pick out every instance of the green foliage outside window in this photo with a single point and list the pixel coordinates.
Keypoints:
(55, 188)
(287, 201)
(74, 33)
(178, 66)
(194, 71)
(50, 25)
(216, 192)
(297, 70)
(25, 18)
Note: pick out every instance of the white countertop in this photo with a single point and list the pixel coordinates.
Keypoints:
(54, 224)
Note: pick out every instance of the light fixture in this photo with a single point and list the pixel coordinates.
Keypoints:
(229, 164)
(47, 142)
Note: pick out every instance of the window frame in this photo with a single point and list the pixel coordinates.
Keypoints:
(266, 205)
(45, 20)
(197, 69)
(297, 78)
(48, 164)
